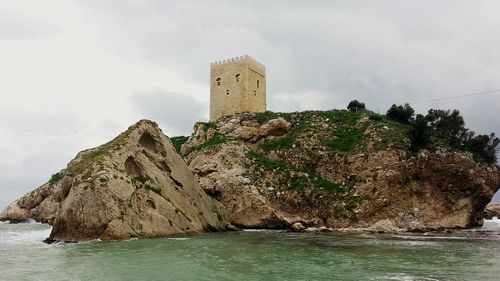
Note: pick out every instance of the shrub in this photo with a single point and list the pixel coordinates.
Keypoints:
(484, 148)
(55, 178)
(216, 140)
(375, 117)
(152, 188)
(355, 105)
(178, 142)
(402, 114)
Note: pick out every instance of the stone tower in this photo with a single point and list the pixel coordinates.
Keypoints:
(237, 85)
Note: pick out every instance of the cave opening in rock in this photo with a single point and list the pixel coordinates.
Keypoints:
(132, 167)
(148, 142)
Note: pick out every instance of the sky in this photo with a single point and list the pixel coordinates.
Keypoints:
(74, 74)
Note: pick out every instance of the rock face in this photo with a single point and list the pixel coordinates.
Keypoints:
(134, 186)
(334, 169)
(492, 210)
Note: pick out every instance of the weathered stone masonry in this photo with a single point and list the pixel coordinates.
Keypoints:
(237, 85)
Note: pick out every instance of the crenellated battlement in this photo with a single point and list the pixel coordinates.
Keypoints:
(237, 85)
(246, 58)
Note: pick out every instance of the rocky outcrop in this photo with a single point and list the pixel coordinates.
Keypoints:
(335, 170)
(224, 172)
(307, 171)
(492, 210)
(134, 186)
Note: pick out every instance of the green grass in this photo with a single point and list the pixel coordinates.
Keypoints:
(300, 182)
(88, 160)
(220, 217)
(178, 142)
(152, 188)
(347, 139)
(216, 140)
(261, 160)
(397, 135)
(375, 117)
(341, 116)
(141, 179)
(263, 117)
(288, 140)
(329, 186)
(55, 178)
(209, 125)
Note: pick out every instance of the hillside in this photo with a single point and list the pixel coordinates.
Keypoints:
(335, 169)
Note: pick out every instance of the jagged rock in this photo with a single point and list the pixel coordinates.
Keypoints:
(298, 227)
(134, 186)
(275, 127)
(492, 210)
(384, 226)
(14, 213)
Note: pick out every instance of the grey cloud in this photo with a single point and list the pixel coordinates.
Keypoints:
(319, 54)
(175, 113)
(380, 52)
(16, 26)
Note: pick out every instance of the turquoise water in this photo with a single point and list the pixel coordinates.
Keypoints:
(254, 255)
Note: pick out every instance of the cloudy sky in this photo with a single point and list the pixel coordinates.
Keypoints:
(73, 74)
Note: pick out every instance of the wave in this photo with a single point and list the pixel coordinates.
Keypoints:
(178, 238)
(262, 230)
(493, 224)
(406, 277)
(31, 233)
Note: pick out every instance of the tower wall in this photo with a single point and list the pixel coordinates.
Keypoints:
(231, 94)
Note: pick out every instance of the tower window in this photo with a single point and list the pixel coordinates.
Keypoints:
(218, 80)
(257, 83)
(237, 77)
(254, 92)
(227, 92)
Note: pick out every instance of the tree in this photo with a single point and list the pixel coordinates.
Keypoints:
(448, 125)
(355, 106)
(402, 114)
(484, 148)
(445, 128)
(420, 133)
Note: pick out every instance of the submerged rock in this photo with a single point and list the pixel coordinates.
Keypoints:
(134, 186)
(298, 227)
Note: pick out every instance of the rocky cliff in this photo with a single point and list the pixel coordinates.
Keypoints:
(311, 170)
(492, 210)
(335, 169)
(134, 186)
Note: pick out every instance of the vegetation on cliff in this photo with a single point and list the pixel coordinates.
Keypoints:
(340, 168)
(445, 129)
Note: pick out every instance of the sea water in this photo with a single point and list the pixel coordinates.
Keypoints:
(255, 255)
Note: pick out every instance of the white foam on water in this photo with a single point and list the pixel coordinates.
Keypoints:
(493, 224)
(31, 233)
(406, 277)
(178, 238)
(262, 230)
